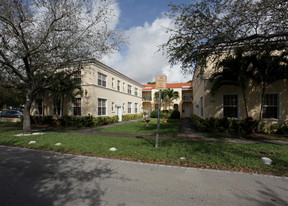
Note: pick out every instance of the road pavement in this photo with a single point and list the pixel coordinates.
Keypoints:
(31, 177)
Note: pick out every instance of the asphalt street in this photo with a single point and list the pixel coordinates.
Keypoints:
(31, 177)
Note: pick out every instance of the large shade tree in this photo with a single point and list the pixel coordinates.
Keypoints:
(37, 37)
(216, 28)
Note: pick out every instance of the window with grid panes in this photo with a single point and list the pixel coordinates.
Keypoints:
(101, 80)
(230, 106)
(129, 89)
(271, 106)
(118, 85)
(102, 107)
(77, 107)
(136, 92)
(136, 108)
(129, 107)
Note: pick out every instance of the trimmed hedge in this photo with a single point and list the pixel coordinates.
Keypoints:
(224, 125)
(78, 121)
(165, 114)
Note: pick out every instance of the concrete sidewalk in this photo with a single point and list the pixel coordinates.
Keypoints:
(32, 177)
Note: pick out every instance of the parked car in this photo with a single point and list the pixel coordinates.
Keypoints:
(11, 114)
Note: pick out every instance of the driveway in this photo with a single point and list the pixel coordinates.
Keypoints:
(31, 177)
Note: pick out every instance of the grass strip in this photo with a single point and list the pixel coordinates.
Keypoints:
(214, 155)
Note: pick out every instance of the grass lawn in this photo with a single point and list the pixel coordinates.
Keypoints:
(170, 128)
(10, 124)
(227, 156)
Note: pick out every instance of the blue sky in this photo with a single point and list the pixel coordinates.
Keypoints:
(137, 12)
(144, 24)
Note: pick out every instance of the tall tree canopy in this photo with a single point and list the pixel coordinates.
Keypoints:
(212, 26)
(37, 37)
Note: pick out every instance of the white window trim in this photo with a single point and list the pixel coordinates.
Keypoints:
(119, 85)
(74, 105)
(238, 106)
(279, 106)
(131, 108)
(113, 83)
(100, 75)
(112, 107)
(136, 106)
(106, 104)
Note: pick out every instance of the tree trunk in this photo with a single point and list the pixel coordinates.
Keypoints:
(26, 114)
(245, 103)
(261, 107)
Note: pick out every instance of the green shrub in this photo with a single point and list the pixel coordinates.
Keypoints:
(48, 120)
(75, 121)
(154, 113)
(197, 122)
(128, 117)
(224, 125)
(174, 114)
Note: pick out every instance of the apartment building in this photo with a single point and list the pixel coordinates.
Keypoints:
(106, 92)
(183, 104)
(228, 100)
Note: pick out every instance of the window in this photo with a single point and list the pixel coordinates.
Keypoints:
(77, 77)
(102, 107)
(123, 87)
(57, 107)
(129, 89)
(118, 85)
(271, 106)
(129, 107)
(201, 107)
(136, 108)
(101, 80)
(123, 107)
(136, 92)
(38, 107)
(112, 107)
(230, 106)
(112, 82)
(77, 107)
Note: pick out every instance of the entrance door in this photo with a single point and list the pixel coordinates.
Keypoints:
(119, 113)
(187, 111)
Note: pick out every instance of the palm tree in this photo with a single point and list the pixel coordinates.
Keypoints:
(268, 68)
(236, 72)
(170, 95)
(65, 86)
(167, 97)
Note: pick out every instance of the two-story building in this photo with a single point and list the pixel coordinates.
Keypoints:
(106, 92)
(228, 100)
(183, 104)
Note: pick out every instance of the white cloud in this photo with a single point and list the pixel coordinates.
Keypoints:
(142, 61)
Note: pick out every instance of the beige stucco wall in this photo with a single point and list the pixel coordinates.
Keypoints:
(92, 92)
(213, 105)
(184, 105)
